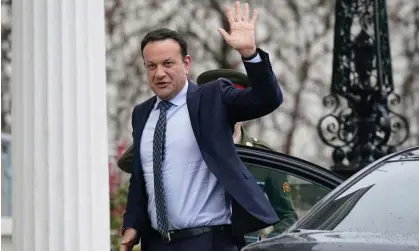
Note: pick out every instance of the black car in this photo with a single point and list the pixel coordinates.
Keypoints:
(376, 209)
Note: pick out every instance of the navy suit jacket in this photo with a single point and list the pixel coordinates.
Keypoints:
(214, 108)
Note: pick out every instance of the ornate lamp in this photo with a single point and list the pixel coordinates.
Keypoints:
(366, 127)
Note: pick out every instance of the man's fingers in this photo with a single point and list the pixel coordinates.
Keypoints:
(128, 239)
(237, 11)
(230, 17)
(126, 245)
(246, 12)
(224, 34)
(254, 17)
(125, 241)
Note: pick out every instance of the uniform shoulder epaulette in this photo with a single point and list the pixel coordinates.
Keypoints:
(257, 142)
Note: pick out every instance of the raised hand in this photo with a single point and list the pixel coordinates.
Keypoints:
(242, 30)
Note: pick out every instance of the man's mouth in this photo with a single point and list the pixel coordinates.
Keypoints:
(162, 84)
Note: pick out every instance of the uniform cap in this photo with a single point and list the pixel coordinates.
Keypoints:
(236, 77)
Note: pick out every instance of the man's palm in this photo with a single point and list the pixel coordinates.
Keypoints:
(242, 36)
(242, 29)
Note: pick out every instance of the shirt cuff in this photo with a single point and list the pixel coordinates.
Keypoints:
(256, 59)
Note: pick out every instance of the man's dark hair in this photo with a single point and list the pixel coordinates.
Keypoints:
(163, 34)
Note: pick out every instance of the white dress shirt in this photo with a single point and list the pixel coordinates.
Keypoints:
(193, 195)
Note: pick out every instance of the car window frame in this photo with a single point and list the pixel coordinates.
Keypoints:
(290, 165)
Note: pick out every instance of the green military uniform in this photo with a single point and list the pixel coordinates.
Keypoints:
(276, 188)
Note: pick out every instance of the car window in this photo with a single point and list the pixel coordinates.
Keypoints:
(383, 202)
(290, 196)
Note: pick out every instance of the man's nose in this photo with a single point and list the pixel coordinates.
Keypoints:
(160, 72)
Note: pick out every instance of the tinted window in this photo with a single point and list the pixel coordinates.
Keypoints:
(290, 196)
(385, 201)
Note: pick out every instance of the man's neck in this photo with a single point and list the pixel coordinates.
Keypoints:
(179, 96)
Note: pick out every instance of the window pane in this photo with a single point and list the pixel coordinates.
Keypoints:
(380, 202)
(6, 177)
(290, 196)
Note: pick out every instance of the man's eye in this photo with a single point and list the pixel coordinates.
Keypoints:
(169, 63)
(150, 66)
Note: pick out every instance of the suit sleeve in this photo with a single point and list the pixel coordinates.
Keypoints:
(131, 217)
(262, 98)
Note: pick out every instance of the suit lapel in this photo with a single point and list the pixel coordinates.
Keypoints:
(192, 100)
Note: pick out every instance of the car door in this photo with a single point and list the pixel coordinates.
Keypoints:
(292, 185)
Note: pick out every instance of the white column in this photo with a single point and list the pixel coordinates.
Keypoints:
(59, 132)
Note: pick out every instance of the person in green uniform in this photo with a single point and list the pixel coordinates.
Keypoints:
(277, 188)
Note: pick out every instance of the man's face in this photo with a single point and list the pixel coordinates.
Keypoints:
(166, 68)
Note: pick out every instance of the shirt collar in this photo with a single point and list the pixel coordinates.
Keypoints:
(179, 99)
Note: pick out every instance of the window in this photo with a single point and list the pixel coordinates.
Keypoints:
(290, 196)
(6, 184)
(384, 201)
(6, 178)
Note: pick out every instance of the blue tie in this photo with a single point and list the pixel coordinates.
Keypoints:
(159, 145)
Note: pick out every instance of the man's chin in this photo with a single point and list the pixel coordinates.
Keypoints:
(164, 94)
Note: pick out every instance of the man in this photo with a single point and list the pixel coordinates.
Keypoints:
(189, 189)
(276, 188)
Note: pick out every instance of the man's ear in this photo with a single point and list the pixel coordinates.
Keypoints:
(187, 60)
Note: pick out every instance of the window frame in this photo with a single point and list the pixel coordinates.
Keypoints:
(287, 164)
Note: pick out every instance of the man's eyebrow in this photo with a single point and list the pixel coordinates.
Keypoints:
(150, 62)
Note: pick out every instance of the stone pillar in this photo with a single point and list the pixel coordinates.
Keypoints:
(59, 128)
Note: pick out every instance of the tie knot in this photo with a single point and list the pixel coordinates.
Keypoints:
(164, 105)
